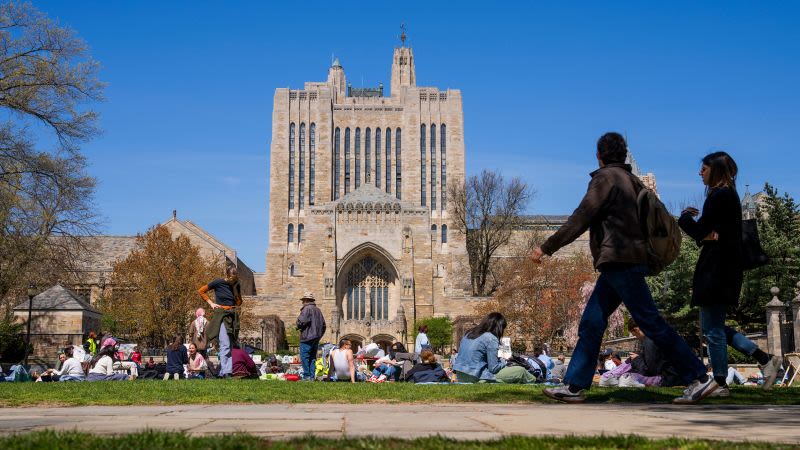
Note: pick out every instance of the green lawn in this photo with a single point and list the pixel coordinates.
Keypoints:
(155, 440)
(254, 391)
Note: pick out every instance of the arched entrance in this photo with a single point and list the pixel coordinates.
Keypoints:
(384, 341)
(356, 341)
(367, 291)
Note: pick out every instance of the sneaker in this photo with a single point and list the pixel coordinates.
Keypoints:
(372, 379)
(770, 371)
(132, 377)
(721, 392)
(563, 394)
(628, 381)
(608, 381)
(696, 392)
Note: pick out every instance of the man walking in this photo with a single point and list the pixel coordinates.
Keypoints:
(312, 327)
(619, 249)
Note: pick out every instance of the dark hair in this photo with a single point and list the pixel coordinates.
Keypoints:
(108, 350)
(723, 171)
(423, 328)
(68, 351)
(493, 323)
(612, 148)
(343, 342)
(176, 343)
(632, 325)
(396, 348)
(537, 350)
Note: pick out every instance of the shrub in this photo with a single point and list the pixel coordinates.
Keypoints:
(12, 340)
(440, 332)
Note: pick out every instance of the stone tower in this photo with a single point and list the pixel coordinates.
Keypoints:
(403, 73)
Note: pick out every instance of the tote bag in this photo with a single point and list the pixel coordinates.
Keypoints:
(753, 255)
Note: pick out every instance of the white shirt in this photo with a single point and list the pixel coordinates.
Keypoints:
(609, 365)
(105, 366)
(72, 368)
(422, 339)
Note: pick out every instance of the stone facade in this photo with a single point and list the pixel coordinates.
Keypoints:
(358, 211)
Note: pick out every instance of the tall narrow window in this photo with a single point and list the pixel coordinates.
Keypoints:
(433, 233)
(347, 160)
(291, 166)
(336, 163)
(443, 148)
(312, 156)
(291, 233)
(388, 160)
(377, 157)
(302, 166)
(301, 228)
(367, 146)
(422, 151)
(358, 157)
(433, 167)
(397, 165)
(444, 233)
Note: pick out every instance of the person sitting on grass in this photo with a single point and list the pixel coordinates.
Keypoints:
(477, 357)
(382, 370)
(243, 364)
(559, 369)
(197, 364)
(102, 366)
(427, 371)
(71, 369)
(177, 358)
(48, 374)
(341, 366)
(136, 356)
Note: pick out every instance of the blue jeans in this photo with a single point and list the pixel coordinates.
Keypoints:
(626, 286)
(308, 355)
(384, 369)
(225, 361)
(719, 337)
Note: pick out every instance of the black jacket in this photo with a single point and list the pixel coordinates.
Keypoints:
(610, 213)
(652, 362)
(718, 274)
(311, 323)
(426, 373)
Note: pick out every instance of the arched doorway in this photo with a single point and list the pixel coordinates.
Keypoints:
(384, 341)
(356, 341)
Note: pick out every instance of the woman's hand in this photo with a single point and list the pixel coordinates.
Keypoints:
(692, 211)
(713, 236)
(214, 305)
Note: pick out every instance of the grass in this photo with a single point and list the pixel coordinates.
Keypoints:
(158, 440)
(142, 392)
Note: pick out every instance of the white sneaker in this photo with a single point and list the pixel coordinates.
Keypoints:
(770, 371)
(696, 392)
(721, 392)
(609, 381)
(628, 381)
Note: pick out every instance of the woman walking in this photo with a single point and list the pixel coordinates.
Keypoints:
(718, 275)
(224, 325)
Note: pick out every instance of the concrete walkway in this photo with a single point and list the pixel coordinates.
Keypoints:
(461, 421)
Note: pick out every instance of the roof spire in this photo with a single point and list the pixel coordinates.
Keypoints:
(403, 35)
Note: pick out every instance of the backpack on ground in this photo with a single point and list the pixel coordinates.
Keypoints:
(660, 229)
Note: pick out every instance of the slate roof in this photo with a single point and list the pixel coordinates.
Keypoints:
(57, 298)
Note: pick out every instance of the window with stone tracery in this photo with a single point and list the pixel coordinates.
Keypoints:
(302, 160)
(367, 168)
(368, 284)
(291, 165)
(312, 148)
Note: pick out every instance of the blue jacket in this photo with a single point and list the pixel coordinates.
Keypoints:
(478, 357)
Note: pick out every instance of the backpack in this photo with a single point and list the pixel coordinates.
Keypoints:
(660, 229)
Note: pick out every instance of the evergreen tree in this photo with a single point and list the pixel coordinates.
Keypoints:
(779, 231)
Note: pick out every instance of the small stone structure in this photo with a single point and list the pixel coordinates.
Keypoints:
(59, 317)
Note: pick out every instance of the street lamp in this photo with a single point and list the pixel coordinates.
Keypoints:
(31, 294)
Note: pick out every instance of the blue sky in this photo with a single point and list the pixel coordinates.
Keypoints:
(187, 119)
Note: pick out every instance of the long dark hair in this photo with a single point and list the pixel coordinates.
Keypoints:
(176, 343)
(723, 171)
(396, 348)
(108, 350)
(494, 323)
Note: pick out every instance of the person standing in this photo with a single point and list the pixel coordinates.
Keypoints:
(718, 275)
(609, 210)
(422, 342)
(224, 324)
(312, 327)
(197, 331)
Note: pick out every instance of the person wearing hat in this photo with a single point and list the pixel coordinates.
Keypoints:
(312, 327)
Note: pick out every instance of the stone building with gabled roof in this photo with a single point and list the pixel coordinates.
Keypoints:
(59, 317)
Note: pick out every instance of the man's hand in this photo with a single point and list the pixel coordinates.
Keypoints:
(537, 255)
(692, 211)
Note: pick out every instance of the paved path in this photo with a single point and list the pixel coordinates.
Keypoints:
(461, 421)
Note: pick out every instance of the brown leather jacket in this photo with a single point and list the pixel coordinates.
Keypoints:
(609, 212)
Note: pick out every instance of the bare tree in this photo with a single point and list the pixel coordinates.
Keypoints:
(46, 79)
(487, 209)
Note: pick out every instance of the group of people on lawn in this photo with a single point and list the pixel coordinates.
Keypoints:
(616, 210)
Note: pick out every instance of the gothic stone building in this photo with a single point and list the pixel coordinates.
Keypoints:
(358, 211)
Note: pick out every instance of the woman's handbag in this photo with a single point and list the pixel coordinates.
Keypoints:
(753, 255)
